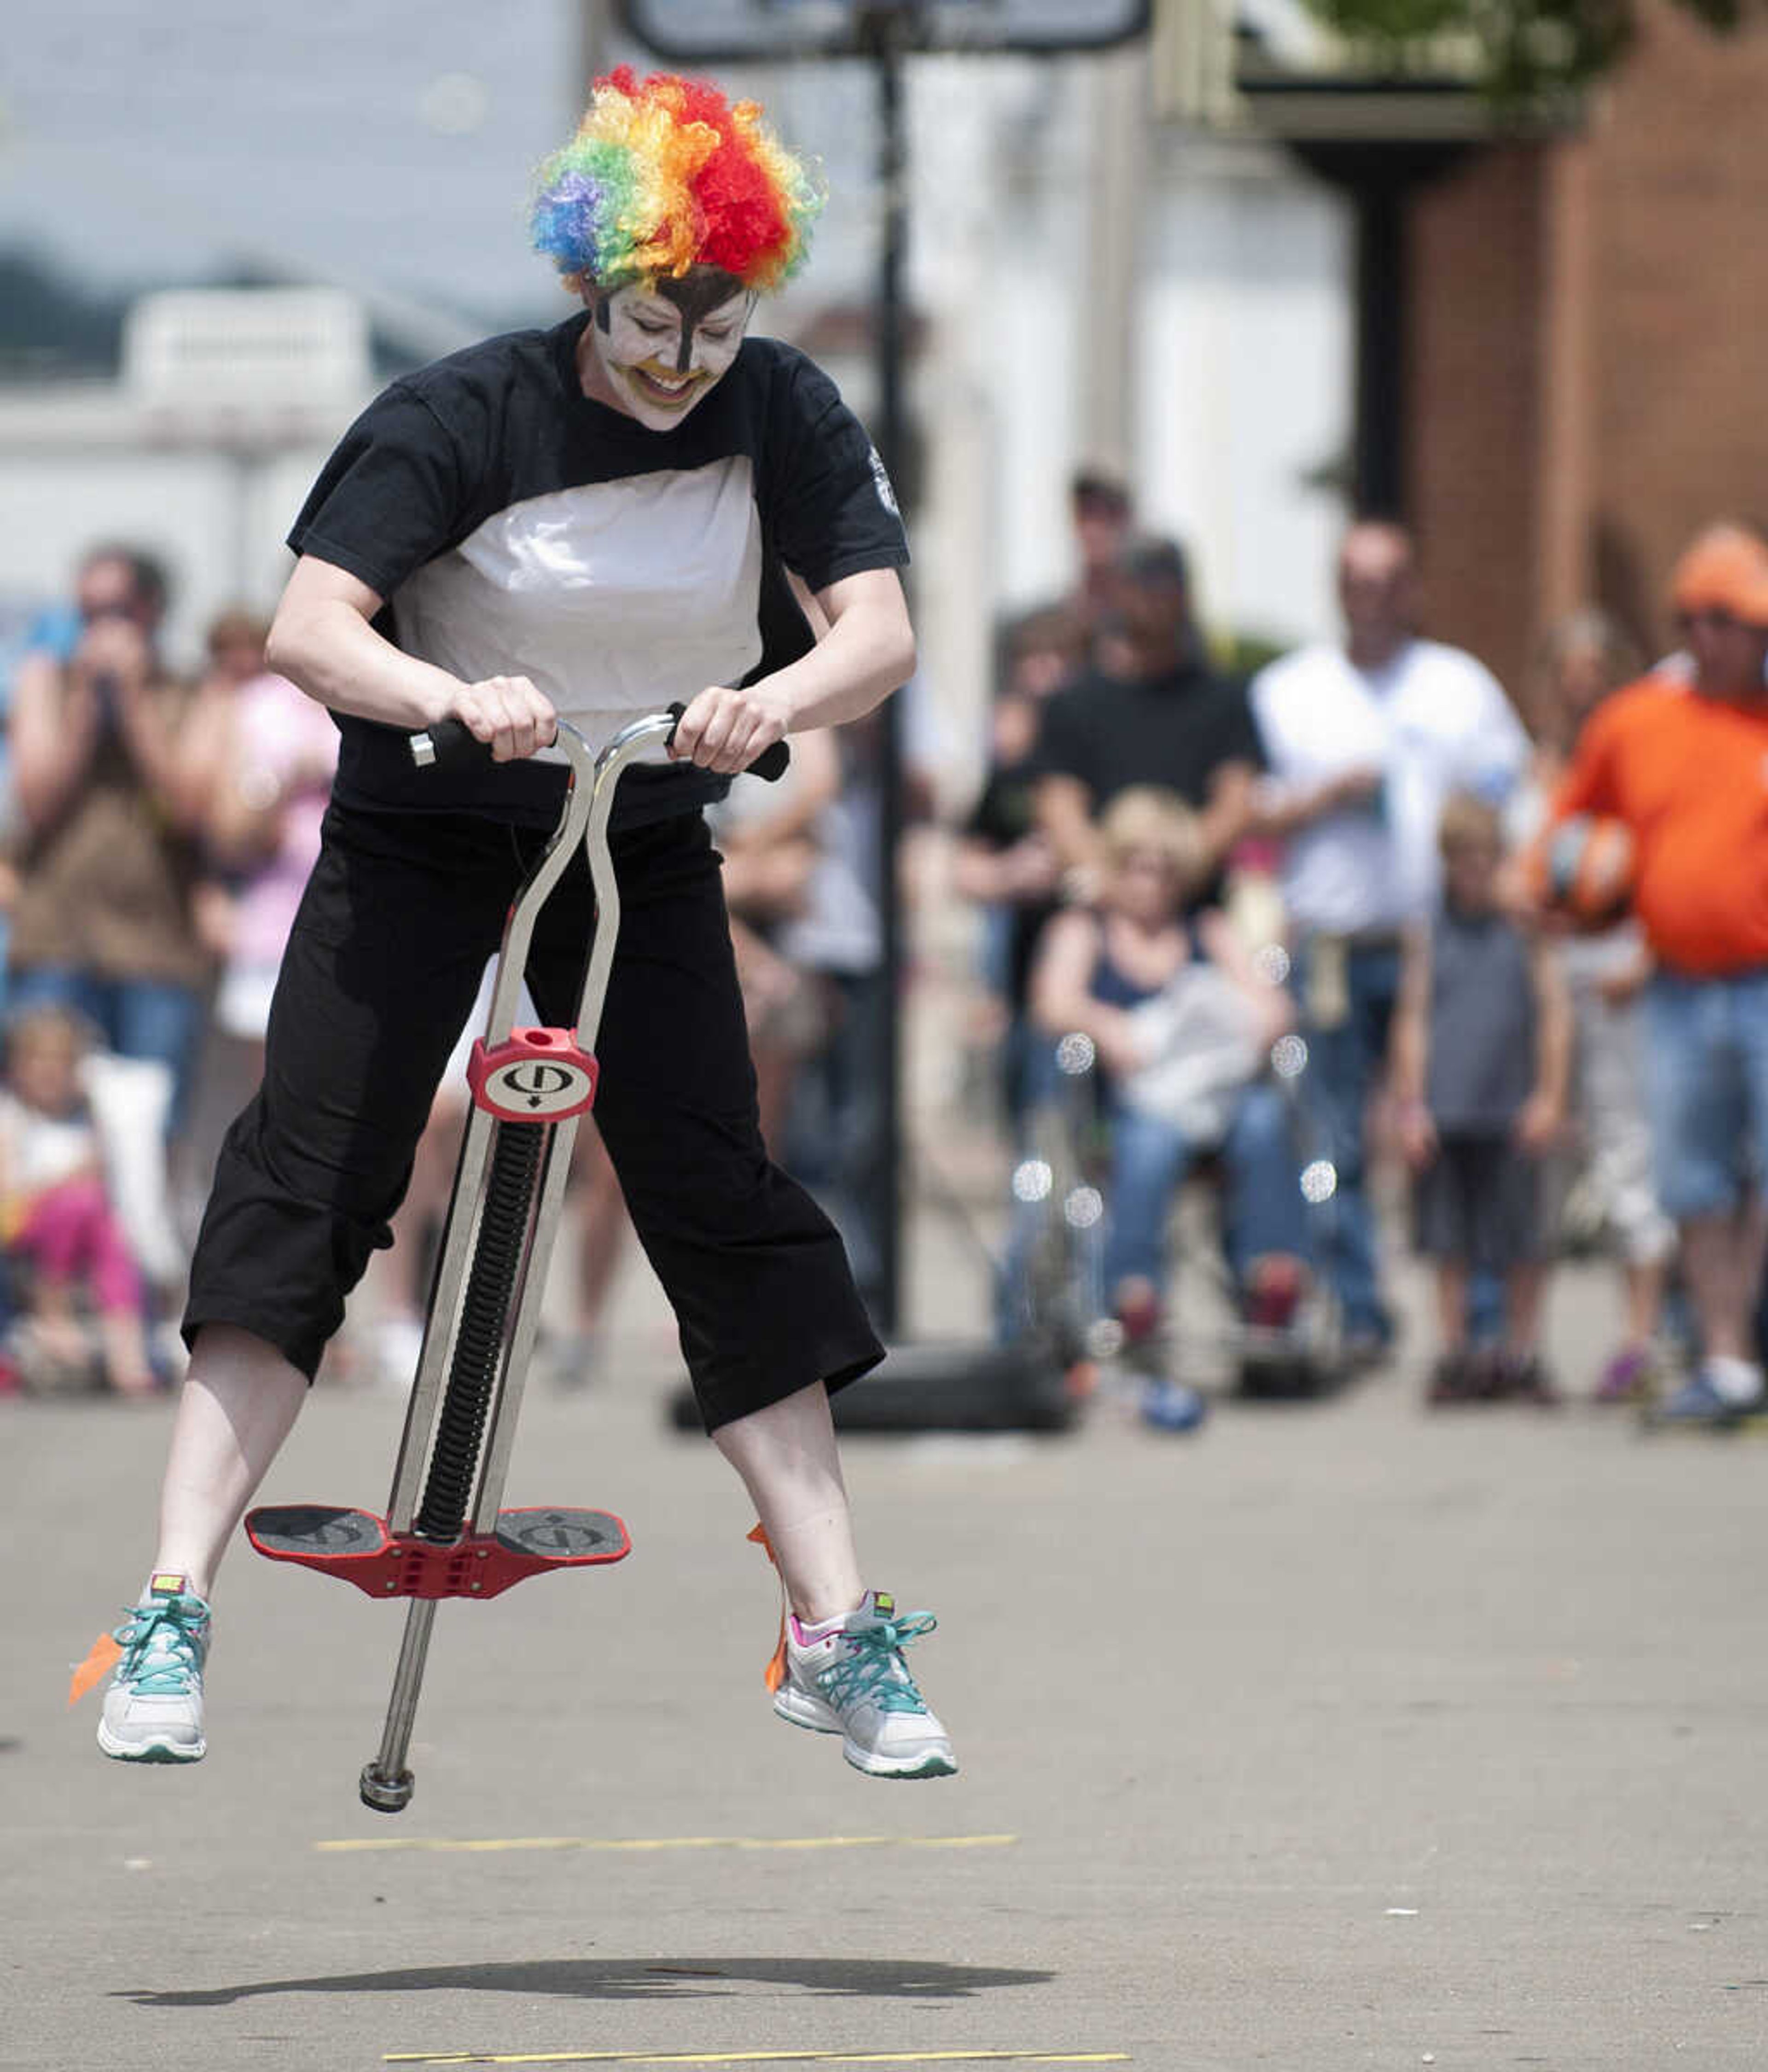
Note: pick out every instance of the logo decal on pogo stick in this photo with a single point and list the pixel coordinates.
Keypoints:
(540, 1086)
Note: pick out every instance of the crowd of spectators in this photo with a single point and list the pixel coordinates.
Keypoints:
(156, 832)
(1323, 931)
(1367, 829)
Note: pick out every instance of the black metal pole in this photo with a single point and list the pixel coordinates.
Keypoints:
(889, 24)
(1378, 461)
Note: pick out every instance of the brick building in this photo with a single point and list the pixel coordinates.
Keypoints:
(1560, 367)
(1584, 383)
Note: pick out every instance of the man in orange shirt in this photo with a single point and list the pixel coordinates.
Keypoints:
(1681, 756)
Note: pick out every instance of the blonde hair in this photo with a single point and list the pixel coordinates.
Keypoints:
(1147, 817)
(46, 1018)
(1467, 819)
(235, 623)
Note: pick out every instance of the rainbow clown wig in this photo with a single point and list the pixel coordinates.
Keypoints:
(665, 174)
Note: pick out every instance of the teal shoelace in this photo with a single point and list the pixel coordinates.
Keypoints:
(871, 1668)
(162, 1645)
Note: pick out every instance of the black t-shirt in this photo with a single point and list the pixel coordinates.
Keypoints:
(1175, 731)
(1004, 813)
(513, 526)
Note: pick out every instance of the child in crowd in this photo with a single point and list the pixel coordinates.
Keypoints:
(1482, 1051)
(59, 1235)
(1181, 1025)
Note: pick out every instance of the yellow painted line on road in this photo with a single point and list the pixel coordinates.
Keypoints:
(761, 2057)
(446, 1843)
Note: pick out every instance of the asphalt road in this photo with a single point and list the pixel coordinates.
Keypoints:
(1338, 1735)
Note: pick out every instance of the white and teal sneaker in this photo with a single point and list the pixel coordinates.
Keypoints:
(153, 1706)
(848, 1677)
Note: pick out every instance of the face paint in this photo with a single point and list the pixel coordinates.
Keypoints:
(662, 346)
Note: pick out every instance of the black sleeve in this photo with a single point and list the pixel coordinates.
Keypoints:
(832, 510)
(391, 496)
(1065, 742)
(1237, 732)
(987, 819)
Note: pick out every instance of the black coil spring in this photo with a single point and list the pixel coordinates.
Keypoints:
(472, 1373)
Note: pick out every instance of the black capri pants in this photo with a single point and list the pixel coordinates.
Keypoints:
(380, 971)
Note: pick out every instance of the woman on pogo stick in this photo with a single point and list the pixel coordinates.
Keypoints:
(589, 521)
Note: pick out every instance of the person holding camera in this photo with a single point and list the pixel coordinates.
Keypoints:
(110, 793)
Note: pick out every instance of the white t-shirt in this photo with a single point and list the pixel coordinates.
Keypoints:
(40, 1151)
(1432, 720)
(514, 525)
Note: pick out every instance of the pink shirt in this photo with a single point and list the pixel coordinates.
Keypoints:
(287, 743)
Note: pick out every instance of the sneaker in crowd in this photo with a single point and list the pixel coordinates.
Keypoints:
(1172, 1406)
(153, 1706)
(1139, 1317)
(1626, 1378)
(847, 1676)
(1719, 1392)
(1273, 1294)
(1521, 1377)
(1456, 1378)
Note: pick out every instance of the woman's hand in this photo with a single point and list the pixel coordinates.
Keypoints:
(725, 730)
(1352, 791)
(1621, 988)
(1113, 1032)
(1538, 1124)
(1417, 1135)
(1029, 870)
(1274, 1008)
(114, 651)
(508, 712)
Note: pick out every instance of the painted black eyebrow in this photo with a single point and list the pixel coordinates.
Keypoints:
(697, 295)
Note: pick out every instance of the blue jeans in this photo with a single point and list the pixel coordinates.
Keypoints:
(1707, 1090)
(1261, 1211)
(1346, 1055)
(834, 1129)
(137, 1018)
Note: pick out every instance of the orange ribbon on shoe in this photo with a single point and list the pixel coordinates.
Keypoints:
(775, 1674)
(103, 1656)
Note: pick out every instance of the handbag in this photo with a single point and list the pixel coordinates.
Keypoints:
(1199, 1038)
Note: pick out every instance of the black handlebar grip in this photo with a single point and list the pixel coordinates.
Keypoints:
(450, 744)
(770, 766)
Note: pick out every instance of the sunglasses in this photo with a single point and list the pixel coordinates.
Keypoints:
(1716, 618)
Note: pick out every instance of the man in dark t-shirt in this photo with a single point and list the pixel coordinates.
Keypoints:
(1171, 722)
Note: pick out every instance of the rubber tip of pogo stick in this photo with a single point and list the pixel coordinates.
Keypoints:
(385, 1794)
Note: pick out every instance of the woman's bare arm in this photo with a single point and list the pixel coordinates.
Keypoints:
(1061, 995)
(868, 652)
(50, 731)
(323, 639)
(1220, 942)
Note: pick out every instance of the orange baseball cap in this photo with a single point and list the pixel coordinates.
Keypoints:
(1725, 569)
